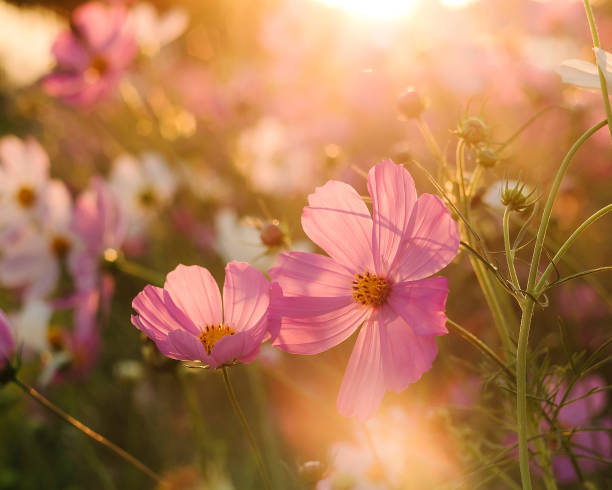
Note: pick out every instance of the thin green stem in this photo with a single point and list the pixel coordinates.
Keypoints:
(480, 345)
(528, 309)
(602, 79)
(87, 431)
(509, 250)
(473, 185)
(460, 157)
(136, 270)
(431, 142)
(568, 243)
(245, 425)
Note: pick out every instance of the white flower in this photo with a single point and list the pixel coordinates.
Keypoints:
(143, 187)
(30, 325)
(35, 259)
(583, 74)
(152, 30)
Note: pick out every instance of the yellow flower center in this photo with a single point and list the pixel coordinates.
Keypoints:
(147, 197)
(26, 196)
(97, 68)
(212, 334)
(370, 289)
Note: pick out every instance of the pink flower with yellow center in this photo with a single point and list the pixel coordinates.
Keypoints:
(187, 320)
(376, 275)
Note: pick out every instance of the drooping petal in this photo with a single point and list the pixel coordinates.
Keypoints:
(242, 346)
(339, 222)
(158, 315)
(421, 304)
(406, 356)
(310, 325)
(186, 347)
(246, 296)
(393, 198)
(363, 386)
(194, 290)
(430, 243)
(307, 274)
(579, 73)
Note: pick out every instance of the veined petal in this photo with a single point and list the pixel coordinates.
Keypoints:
(242, 346)
(184, 346)
(430, 243)
(158, 316)
(579, 73)
(421, 304)
(308, 274)
(246, 296)
(339, 222)
(406, 356)
(310, 325)
(363, 386)
(393, 198)
(194, 290)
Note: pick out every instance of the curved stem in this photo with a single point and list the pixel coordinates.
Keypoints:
(509, 251)
(479, 344)
(474, 181)
(568, 243)
(87, 431)
(245, 425)
(602, 79)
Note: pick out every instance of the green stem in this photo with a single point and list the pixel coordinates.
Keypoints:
(509, 251)
(528, 308)
(602, 79)
(460, 178)
(232, 396)
(136, 270)
(473, 185)
(479, 344)
(568, 243)
(87, 431)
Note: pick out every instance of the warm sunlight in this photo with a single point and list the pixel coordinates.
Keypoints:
(381, 9)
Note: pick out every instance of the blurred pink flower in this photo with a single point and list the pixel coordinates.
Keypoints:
(580, 407)
(7, 342)
(377, 274)
(186, 321)
(92, 55)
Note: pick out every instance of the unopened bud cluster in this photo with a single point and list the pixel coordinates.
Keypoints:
(515, 198)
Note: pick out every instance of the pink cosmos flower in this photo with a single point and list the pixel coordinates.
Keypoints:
(92, 55)
(186, 321)
(376, 275)
(7, 341)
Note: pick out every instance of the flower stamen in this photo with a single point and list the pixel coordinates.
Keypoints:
(370, 289)
(212, 334)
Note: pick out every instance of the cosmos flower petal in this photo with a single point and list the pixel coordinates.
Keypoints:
(242, 346)
(579, 73)
(7, 341)
(184, 347)
(421, 304)
(393, 198)
(157, 314)
(363, 386)
(604, 60)
(302, 273)
(245, 298)
(406, 356)
(431, 241)
(339, 222)
(194, 290)
(310, 325)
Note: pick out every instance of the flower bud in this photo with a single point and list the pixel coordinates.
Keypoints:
(410, 103)
(514, 198)
(486, 157)
(473, 131)
(271, 235)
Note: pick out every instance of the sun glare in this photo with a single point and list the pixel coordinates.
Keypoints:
(380, 9)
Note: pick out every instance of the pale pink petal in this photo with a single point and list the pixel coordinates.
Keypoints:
(69, 52)
(246, 296)
(307, 274)
(186, 347)
(242, 346)
(339, 222)
(158, 315)
(98, 24)
(311, 325)
(363, 386)
(406, 356)
(194, 290)
(393, 198)
(430, 243)
(421, 304)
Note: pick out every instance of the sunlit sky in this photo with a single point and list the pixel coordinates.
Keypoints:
(385, 9)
